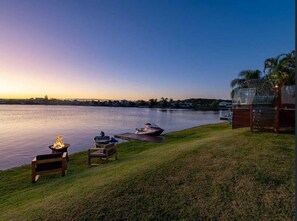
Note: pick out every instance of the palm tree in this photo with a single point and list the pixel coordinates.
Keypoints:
(243, 76)
(164, 102)
(290, 66)
(153, 102)
(281, 69)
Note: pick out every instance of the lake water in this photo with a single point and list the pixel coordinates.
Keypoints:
(28, 130)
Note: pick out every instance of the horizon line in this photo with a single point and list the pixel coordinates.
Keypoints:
(104, 99)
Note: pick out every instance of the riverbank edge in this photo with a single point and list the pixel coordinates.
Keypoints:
(121, 141)
(215, 142)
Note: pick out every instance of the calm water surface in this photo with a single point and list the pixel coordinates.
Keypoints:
(28, 130)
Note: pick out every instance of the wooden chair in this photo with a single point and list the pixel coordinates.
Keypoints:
(103, 152)
(49, 163)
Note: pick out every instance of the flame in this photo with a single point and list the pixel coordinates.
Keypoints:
(59, 143)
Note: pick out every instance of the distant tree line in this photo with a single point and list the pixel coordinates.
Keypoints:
(192, 103)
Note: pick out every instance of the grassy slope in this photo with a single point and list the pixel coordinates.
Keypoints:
(204, 173)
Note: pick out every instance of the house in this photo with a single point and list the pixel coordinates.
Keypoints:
(225, 105)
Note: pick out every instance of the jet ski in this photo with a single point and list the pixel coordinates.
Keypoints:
(149, 129)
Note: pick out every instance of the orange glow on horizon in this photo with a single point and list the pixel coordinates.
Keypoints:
(21, 83)
(21, 79)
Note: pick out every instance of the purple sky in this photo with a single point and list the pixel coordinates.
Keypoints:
(113, 49)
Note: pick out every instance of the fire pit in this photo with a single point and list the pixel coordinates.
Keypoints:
(59, 146)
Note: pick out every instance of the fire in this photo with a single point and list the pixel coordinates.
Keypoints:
(59, 143)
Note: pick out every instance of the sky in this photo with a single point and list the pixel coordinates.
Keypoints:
(137, 49)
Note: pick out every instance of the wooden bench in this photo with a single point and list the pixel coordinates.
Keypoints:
(103, 152)
(49, 163)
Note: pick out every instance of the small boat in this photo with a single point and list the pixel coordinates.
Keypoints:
(149, 129)
(102, 139)
(226, 115)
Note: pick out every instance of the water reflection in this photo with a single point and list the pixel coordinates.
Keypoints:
(28, 130)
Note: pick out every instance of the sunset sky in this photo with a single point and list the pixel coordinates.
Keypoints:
(141, 49)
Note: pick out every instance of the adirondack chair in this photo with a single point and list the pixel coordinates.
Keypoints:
(103, 152)
(49, 163)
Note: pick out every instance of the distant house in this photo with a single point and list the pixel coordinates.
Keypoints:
(225, 104)
(39, 100)
(124, 102)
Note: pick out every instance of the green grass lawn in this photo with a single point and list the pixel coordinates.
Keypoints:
(205, 173)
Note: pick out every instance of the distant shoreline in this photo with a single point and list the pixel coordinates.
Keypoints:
(162, 108)
(188, 104)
